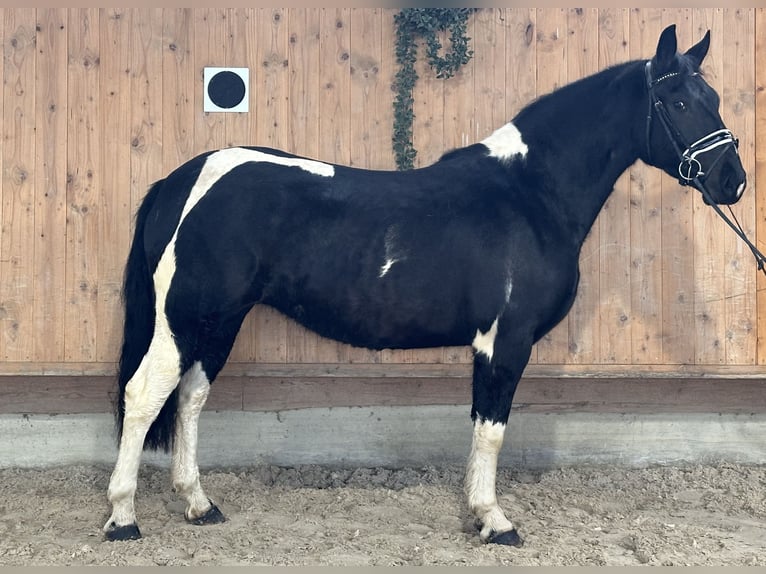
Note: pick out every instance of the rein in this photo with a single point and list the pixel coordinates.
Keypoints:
(690, 168)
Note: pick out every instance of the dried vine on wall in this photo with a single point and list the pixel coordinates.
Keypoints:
(426, 23)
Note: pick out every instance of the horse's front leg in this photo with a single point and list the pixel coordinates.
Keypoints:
(499, 360)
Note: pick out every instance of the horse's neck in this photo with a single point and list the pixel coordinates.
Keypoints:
(582, 145)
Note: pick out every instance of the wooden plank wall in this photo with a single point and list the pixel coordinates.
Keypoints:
(98, 103)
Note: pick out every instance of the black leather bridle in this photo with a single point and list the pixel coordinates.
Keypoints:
(690, 167)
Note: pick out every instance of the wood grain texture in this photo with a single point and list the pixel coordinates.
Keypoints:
(758, 177)
(17, 240)
(30, 395)
(738, 110)
(645, 221)
(114, 200)
(98, 103)
(583, 324)
(84, 184)
(50, 186)
(614, 307)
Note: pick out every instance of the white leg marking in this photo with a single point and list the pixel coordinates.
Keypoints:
(158, 374)
(505, 143)
(147, 391)
(485, 342)
(193, 392)
(480, 478)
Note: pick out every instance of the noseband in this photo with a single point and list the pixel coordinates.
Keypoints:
(690, 168)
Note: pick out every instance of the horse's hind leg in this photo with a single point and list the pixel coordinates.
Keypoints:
(499, 360)
(151, 385)
(193, 392)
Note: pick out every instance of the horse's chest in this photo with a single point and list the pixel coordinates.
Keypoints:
(543, 292)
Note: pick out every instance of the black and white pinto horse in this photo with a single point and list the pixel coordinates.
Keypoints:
(480, 248)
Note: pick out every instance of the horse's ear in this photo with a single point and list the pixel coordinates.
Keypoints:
(666, 49)
(699, 50)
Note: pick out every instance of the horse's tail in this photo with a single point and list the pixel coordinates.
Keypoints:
(139, 303)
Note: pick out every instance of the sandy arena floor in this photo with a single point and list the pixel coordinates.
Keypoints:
(702, 515)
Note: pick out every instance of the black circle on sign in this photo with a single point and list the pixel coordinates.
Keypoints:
(226, 89)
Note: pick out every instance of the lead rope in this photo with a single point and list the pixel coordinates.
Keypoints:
(760, 258)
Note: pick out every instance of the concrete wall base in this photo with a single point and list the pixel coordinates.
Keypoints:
(402, 436)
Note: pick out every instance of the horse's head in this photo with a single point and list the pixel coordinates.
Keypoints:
(685, 135)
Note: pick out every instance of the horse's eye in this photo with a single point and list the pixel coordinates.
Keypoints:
(680, 106)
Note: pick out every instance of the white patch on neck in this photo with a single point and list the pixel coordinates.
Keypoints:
(485, 342)
(505, 143)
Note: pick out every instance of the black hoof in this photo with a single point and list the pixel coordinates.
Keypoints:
(212, 516)
(127, 532)
(507, 538)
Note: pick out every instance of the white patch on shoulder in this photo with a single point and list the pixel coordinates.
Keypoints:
(485, 342)
(506, 142)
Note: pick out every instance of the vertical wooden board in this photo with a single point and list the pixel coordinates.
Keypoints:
(145, 104)
(520, 59)
(241, 51)
(759, 175)
(459, 112)
(427, 131)
(178, 82)
(614, 221)
(83, 184)
(365, 95)
(50, 185)
(488, 44)
(272, 89)
(645, 219)
(366, 98)
(18, 176)
(334, 64)
(738, 111)
(334, 123)
(209, 50)
(678, 242)
(428, 109)
(583, 319)
(521, 70)
(551, 39)
(709, 247)
(241, 37)
(114, 195)
(304, 75)
(383, 152)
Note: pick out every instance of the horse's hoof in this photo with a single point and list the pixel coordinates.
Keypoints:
(127, 532)
(507, 538)
(212, 516)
